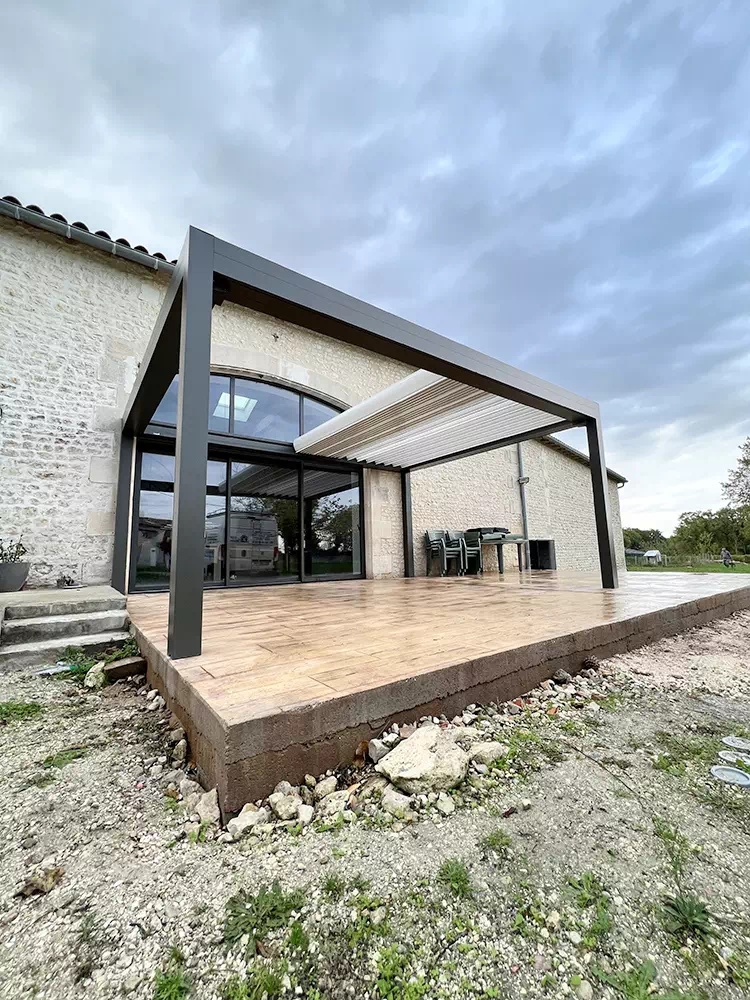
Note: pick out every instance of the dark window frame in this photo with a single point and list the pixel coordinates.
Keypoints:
(267, 456)
(302, 395)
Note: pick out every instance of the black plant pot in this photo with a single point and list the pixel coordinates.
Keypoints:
(13, 576)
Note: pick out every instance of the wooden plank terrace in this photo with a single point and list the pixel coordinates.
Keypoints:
(292, 677)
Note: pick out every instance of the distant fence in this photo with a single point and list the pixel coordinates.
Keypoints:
(696, 559)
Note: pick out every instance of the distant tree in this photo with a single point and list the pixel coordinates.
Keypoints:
(643, 539)
(701, 531)
(736, 489)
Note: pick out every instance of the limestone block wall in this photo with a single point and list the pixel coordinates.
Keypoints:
(483, 490)
(384, 547)
(560, 506)
(73, 326)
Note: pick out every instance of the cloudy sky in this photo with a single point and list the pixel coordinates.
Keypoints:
(564, 184)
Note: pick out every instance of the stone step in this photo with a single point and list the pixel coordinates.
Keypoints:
(32, 654)
(70, 626)
(131, 666)
(70, 605)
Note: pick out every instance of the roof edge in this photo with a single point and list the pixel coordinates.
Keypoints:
(580, 456)
(57, 224)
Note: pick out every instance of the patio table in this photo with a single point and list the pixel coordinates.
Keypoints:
(498, 541)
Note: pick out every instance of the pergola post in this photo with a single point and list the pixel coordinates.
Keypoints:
(122, 513)
(406, 520)
(191, 453)
(599, 483)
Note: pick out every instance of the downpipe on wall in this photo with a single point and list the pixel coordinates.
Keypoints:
(522, 481)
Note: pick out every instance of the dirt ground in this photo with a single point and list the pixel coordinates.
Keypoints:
(598, 859)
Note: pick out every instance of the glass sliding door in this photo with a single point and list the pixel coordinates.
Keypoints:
(332, 506)
(153, 541)
(263, 522)
(215, 537)
(254, 512)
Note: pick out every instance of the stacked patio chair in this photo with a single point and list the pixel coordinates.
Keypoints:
(472, 543)
(446, 548)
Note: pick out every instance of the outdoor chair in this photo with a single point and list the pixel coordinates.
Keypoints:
(440, 544)
(472, 541)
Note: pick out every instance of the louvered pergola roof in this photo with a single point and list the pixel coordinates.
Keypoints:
(422, 419)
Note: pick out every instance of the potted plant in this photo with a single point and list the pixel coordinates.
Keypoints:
(13, 572)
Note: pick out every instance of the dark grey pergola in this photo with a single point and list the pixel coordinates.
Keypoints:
(211, 271)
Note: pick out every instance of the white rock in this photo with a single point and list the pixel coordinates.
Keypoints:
(310, 780)
(553, 920)
(585, 990)
(325, 787)
(333, 804)
(188, 787)
(574, 937)
(371, 787)
(285, 806)
(180, 751)
(305, 814)
(376, 750)
(95, 678)
(445, 804)
(395, 803)
(429, 760)
(250, 816)
(284, 788)
(488, 751)
(208, 807)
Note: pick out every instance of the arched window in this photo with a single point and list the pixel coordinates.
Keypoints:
(252, 408)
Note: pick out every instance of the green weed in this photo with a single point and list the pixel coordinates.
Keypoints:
(498, 841)
(675, 843)
(19, 711)
(64, 757)
(686, 916)
(256, 915)
(334, 886)
(589, 889)
(171, 985)
(454, 875)
(393, 982)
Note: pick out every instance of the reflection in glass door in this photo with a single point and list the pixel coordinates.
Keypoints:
(214, 561)
(263, 522)
(332, 523)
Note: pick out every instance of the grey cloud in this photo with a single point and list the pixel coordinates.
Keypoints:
(562, 185)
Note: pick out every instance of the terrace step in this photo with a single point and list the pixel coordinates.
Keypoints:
(69, 605)
(31, 654)
(70, 626)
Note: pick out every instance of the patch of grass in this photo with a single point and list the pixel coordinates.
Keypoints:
(638, 984)
(64, 757)
(686, 916)
(128, 648)
(79, 663)
(666, 763)
(256, 915)
(454, 875)
(334, 886)
(589, 889)
(394, 976)
(498, 841)
(19, 711)
(264, 983)
(199, 836)
(171, 985)
(676, 845)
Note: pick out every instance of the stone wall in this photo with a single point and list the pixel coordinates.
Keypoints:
(74, 324)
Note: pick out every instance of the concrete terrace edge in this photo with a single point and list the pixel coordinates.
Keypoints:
(245, 760)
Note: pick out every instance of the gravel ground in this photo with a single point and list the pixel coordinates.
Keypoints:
(549, 879)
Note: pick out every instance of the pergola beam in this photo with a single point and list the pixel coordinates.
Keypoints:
(600, 487)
